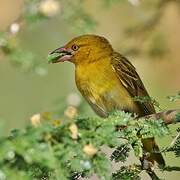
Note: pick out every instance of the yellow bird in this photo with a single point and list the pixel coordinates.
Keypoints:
(107, 80)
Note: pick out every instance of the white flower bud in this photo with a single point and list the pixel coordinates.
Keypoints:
(74, 131)
(10, 155)
(2, 175)
(71, 112)
(73, 99)
(49, 7)
(90, 150)
(14, 28)
(35, 120)
(134, 2)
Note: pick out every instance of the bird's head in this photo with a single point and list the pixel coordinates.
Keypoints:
(81, 50)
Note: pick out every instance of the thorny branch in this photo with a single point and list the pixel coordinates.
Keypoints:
(169, 116)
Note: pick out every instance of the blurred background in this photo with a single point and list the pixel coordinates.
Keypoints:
(146, 32)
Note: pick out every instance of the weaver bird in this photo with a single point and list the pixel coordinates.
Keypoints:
(107, 80)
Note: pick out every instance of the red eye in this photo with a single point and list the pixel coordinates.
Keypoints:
(75, 47)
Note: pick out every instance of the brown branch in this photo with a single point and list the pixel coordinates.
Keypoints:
(169, 116)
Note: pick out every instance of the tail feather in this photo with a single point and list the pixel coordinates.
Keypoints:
(157, 156)
(152, 148)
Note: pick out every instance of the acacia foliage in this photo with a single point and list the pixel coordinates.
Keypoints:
(74, 148)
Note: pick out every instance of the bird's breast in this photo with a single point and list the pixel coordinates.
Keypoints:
(96, 79)
(102, 89)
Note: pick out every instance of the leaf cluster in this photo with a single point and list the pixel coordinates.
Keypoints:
(51, 152)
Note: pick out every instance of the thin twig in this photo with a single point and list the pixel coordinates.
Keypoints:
(174, 140)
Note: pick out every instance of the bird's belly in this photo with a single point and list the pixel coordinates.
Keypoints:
(105, 96)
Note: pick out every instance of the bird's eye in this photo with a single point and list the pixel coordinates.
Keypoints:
(75, 47)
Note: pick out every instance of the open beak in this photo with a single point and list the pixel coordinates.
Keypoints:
(59, 55)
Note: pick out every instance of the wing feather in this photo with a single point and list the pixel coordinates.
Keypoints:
(128, 76)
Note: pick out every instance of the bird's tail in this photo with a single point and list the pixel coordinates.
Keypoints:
(152, 148)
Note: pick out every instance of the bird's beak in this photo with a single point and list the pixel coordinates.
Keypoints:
(59, 55)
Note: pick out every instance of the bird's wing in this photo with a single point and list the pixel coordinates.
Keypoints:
(128, 76)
